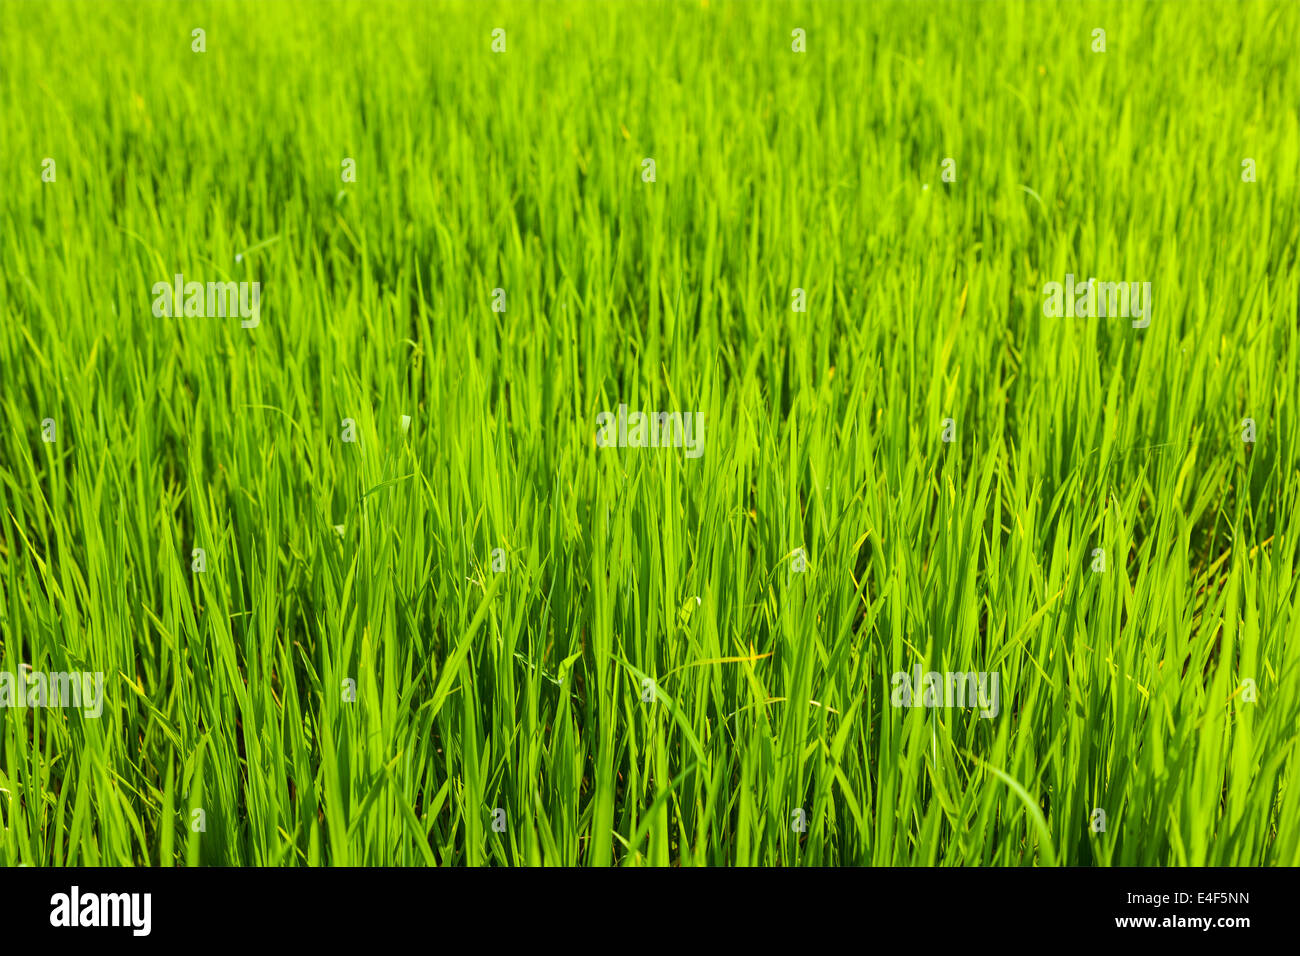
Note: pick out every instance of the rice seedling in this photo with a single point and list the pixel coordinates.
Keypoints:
(648, 434)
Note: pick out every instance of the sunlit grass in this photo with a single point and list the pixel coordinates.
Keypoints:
(372, 562)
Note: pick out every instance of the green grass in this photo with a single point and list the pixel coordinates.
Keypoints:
(521, 690)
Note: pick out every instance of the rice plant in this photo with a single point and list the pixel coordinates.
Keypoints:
(693, 433)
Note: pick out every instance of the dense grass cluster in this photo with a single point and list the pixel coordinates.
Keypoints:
(1124, 690)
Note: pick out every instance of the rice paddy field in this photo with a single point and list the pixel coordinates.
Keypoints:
(669, 434)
